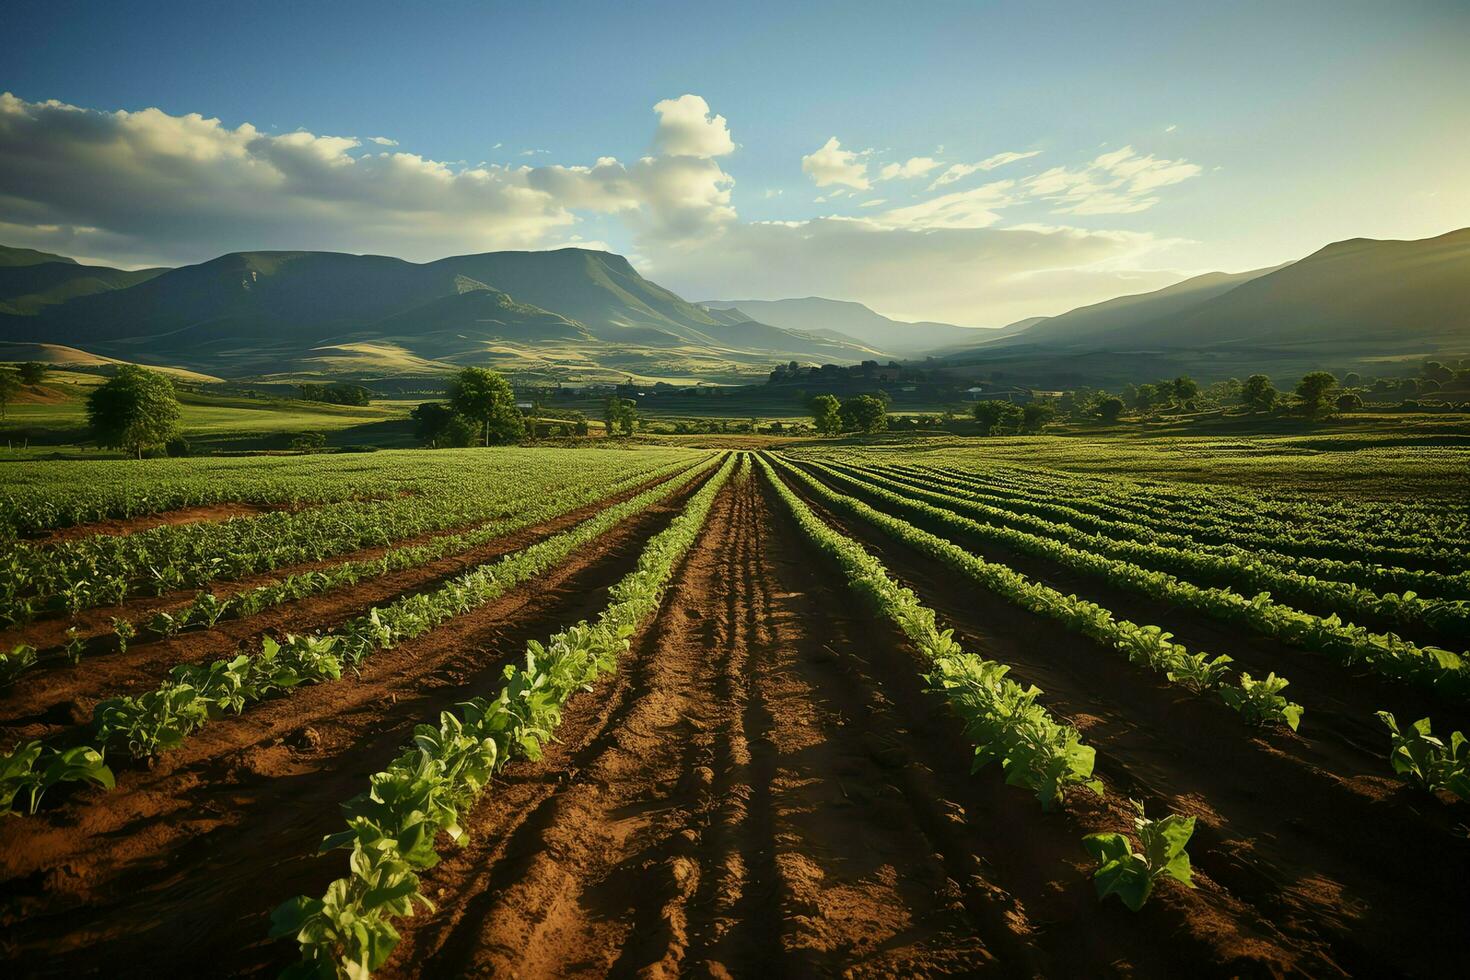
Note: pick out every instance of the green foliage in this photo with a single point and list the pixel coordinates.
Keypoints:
(1315, 391)
(864, 413)
(620, 415)
(826, 414)
(20, 659)
(439, 426)
(1109, 408)
(1425, 761)
(1259, 394)
(1349, 402)
(135, 410)
(32, 372)
(10, 386)
(1260, 702)
(31, 768)
(997, 416)
(1131, 875)
(1034, 415)
(486, 398)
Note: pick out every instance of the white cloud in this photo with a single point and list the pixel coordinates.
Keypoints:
(831, 164)
(1122, 181)
(875, 202)
(687, 128)
(382, 141)
(958, 171)
(148, 187)
(962, 209)
(912, 167)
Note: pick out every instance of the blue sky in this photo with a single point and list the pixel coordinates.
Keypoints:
(1261, 131)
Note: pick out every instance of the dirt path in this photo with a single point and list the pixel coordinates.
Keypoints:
(175, 872)
(1310, 831)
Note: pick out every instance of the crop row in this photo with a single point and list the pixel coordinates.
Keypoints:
(1236, 506)
(102, 570)
(1442, 617)
(1256, 701)
(1365, 574)
(1386, 654)
(1002, 717)
(207, 609)
(392, 828)
(1344, 541)
(194, 694)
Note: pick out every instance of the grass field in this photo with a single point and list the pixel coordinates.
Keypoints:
(724, 720)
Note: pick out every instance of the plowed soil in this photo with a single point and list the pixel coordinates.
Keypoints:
(763, 789)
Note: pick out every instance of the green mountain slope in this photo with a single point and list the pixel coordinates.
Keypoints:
(10, 257)
(31, 280)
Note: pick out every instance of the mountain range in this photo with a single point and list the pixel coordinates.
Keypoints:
(563, 313)
(577, 314)
(1351, 303)
(841, 319)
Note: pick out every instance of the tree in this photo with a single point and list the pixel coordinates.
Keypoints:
(620, 414)
(827, 414)
(1129, 395)
(1352, 379)
(1036, 414)
(136, 409)
(1184, 389)
(485, 398)
(1259, 394)
(9, 388)
(33, 372)
(1148, 396)
(864, 413)
(1349, 402)
(997, 416)
(439, 426)
(1315, 390)
(1110, 408)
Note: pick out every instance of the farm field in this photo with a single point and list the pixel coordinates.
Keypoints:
(827, 708)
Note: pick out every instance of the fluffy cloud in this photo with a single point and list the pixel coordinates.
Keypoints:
(833, 165)
(957, 171)
(912, 167)
(382, 141)
(148, 187)
(687, 128)
(1120, 182)
(982, 276)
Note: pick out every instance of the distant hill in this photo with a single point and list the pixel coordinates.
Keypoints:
(250, 313)
(1349, 304)
(843, 319)
(31, 280)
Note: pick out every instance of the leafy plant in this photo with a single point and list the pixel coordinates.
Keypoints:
(1199, 673)
(20, 659)
(32, 768)
(1425, 761)
(1260, 701)
(124, 630)
(1131, 875)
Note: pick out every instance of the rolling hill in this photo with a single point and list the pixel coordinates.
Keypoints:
(272, 313)
(839, 319)
(1351, 303)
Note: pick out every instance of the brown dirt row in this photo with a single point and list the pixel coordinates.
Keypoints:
(50, 699)
(766, 790)
(1310, 830)
(200, 514)
(175, 872)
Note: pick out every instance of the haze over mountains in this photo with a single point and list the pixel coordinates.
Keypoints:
(578, 314)
(840, 318)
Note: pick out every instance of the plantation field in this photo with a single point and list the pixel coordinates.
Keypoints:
(878, 708)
